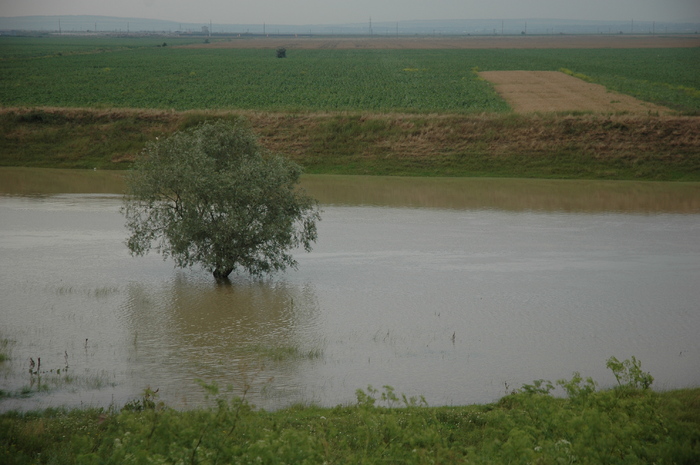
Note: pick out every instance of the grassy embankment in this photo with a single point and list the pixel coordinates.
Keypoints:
(626, 425)
(503, 145)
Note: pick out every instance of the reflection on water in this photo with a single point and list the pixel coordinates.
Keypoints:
(451, 303)
(506, 194)
(458, 193)
(32, 181)
(242, 335)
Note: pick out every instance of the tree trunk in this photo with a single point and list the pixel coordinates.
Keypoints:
(221, 274)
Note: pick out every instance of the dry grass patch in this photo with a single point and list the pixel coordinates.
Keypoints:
(535, 145)
(554, 91)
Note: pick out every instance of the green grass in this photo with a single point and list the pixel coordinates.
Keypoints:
(185, 79)
(628, 424)
(5, 349)
(136, 73)
(619, 426)
(77, 140)
(496, 145)
(27, 47)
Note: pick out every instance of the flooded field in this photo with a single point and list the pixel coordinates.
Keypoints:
(453, 289)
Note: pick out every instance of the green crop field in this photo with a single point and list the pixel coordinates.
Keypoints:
(141, 73)
(44, 47)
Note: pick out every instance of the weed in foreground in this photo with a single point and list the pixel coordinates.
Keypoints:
(629, 374)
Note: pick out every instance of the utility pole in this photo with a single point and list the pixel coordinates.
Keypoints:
(59, 26)
(370, 25)
(502, 21)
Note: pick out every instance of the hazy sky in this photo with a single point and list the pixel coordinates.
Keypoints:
(352, 11)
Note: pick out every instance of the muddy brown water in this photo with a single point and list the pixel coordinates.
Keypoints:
(454, 289)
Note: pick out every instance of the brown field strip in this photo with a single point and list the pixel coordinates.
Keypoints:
(463, 42)
(554, 91)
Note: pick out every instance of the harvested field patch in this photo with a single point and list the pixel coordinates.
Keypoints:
(554, 91)
(463, 42)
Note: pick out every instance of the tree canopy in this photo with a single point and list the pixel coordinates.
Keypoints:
(212, 196)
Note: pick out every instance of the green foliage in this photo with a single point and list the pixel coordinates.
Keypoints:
(389, 397)
(148, 401)
(52, 436)
(583, 77)
(524, 427)
(211, 196)
(196, 79)
(629, 374)
(135, 73)
(75, 138)
(539, 386)
(279, 353)
(5, 345)
(659, 149)
(575, 390)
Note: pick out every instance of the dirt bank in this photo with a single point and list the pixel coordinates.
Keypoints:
(544, 146)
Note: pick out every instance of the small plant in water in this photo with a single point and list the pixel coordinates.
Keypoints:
(148, 401)
(44, 380)
(282, 353)
(389, 397)
(4, 350)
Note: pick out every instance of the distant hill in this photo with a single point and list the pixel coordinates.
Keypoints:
(109, 24)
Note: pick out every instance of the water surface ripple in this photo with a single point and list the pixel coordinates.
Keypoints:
(434, 297)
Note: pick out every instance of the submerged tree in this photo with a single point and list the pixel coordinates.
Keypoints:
(210, 195)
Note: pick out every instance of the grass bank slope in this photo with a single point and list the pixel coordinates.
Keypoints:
(621, 426)
(566, 146)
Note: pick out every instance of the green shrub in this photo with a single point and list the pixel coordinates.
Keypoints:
(629, 374)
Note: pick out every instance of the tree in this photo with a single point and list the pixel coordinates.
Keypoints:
(210, 195)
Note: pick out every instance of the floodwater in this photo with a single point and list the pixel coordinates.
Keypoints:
(458, 290)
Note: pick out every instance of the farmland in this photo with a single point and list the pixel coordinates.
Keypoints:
(141, 73)
(353, 106)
